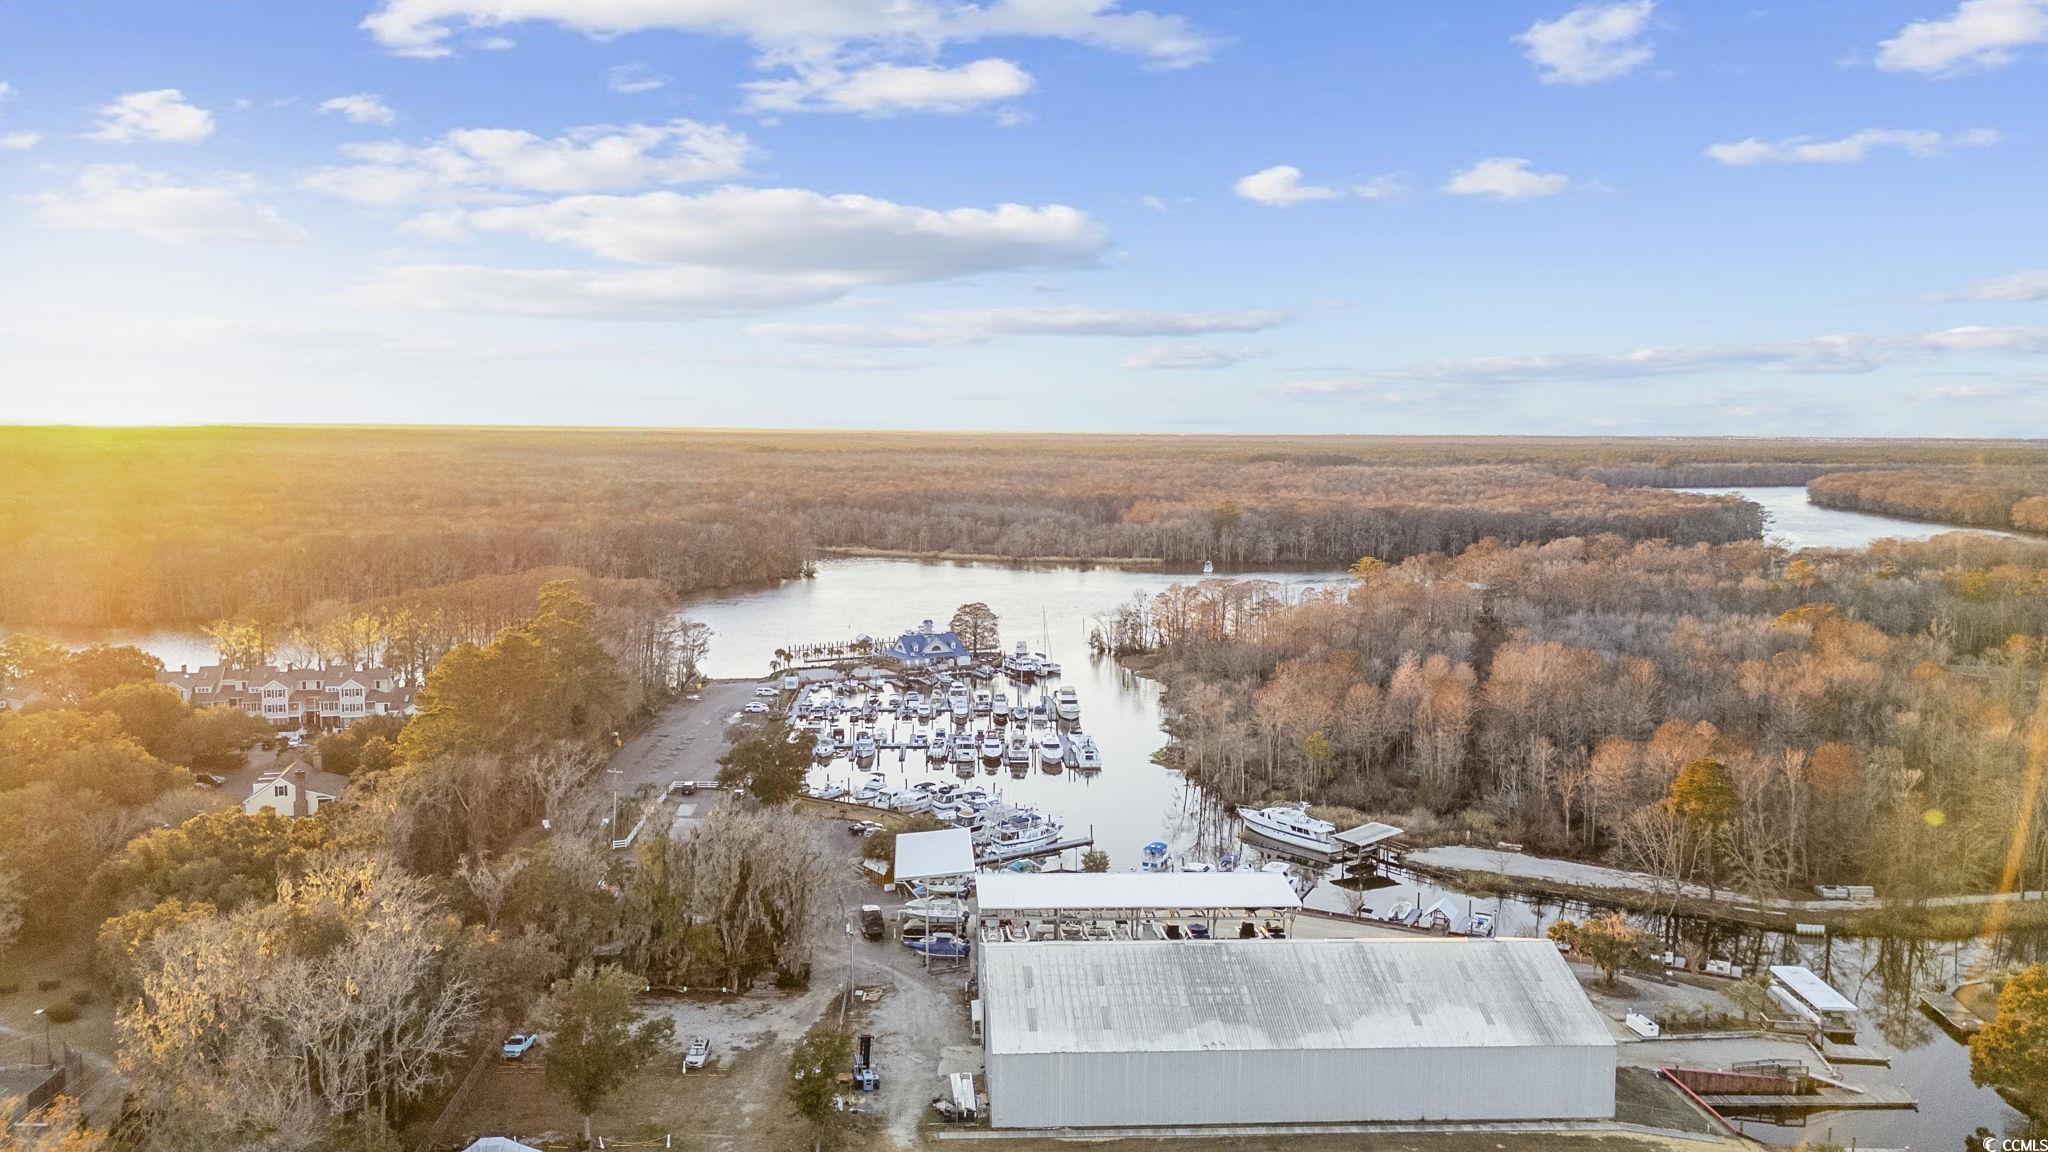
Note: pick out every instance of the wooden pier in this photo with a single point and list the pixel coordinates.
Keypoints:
(1952, 1013)
(1835, 1052)
(1821, 1098)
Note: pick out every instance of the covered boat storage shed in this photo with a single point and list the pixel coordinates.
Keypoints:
(1128, 905)
(1104, 1035)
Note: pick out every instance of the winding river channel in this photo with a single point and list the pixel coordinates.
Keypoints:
(1133, 800)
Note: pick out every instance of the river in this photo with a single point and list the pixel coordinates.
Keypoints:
(1133, 800)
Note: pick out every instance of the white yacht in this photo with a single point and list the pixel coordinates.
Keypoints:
(824, 750)
(908, 801)
(1046, 667)
(938, 750)
(983, 703)
(991, 748)
(864, 746)
(1019, 831)
(1050, 750)
(957, 700)
(1018, 755)
(1290, 824)
(1021, 662)
(1085, 755)
(913, 702)
(1020, 711)
(1039, 712)
(928, 707)
(1067, 703)
(963, 755)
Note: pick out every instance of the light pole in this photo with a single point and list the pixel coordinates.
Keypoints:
(49, 1056)
(846, 1001)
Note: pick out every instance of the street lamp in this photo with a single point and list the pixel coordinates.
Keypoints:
(48, 1056)
(847, 1000)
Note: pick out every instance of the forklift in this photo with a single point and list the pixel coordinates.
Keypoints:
(865, 1077)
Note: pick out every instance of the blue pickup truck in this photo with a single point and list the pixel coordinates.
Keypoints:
(518, 1044)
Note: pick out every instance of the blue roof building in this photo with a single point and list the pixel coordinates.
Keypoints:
(926, 647)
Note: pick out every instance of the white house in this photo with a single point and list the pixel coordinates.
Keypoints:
(332, 696)
(294, 791)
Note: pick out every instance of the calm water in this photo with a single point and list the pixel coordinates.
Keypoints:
(1791, 520)
(1133, 800)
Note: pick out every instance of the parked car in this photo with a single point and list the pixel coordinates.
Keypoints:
(765, 691)
(688, 788)
(872, 925)
(863, 827)
(208, 780)
(756, 706)
(700, 1051)
(519, 1044)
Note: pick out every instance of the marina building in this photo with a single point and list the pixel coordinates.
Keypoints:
(1144, 1033)
(927, 647)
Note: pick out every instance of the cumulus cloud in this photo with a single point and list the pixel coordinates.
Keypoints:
(1281, 187)
(159, 207)
(1506, 178)
(1590, 43)
(815, 28)
(1851, 149)
(481, 163)
(1185, 356)
(633, 79)
(1838, 354)
(731, 248)
(1978, 35)
(19, 141)
(361, 108)
(886, 89)
(2020, 287)
(161, 116)
(6, 91)
(980, 325)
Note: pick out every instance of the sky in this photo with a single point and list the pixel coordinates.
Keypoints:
(1668, 217)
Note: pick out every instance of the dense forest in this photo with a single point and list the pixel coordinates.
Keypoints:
(1977, 497)
(112, 527)
(1866, 714)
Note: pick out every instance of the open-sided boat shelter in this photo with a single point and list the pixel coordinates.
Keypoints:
(1070, 904)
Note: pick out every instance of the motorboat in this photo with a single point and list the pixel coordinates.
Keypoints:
(937, 751)
(937, 909)
(991, 748)
(963, 755)
(1086, 756)
(1018, 755)
(1067, 704)
(1290, 824)
(957, 699)
(1020, 712)
(1039, 712)
(1050, 751)
(983, 703)
(1047, 669)
(912, 701)
(829, 791)
(1155, 858)
(940, 946)
(1020, 831)
(919, 740)
(869, 792)
(864, 746)
(927, 708)
(907, 801)
(824, 749)
(1020, 662)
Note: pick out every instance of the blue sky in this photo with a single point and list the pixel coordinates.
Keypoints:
(1629, 216)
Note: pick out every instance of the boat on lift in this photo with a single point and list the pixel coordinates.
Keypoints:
(1156, 857)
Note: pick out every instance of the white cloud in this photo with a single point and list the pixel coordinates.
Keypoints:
(161, 116)
(633, 79)
(1590, 43)
(156, 206)
(792, 229)
(361, 108)
(884, 89)
(814, 27)
(19, 141)
(1840, 354)
(1280, 186)
(1381, 188)
(6, 91)
(980, 325)
(2020, 287)
(1979, 34)
(481, 163)
(1851, 149)
(731, 249)
(1190, 356)
(1506, 177)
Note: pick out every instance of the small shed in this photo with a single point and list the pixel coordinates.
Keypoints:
(925, 857)
(1366, 837)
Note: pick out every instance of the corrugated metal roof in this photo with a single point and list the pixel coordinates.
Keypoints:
(1811, 988)
(1258, 995)
(1075, 891)
(921, 855)
(1368, 834)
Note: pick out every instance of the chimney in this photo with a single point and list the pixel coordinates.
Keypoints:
(928, 626)
(301, 803)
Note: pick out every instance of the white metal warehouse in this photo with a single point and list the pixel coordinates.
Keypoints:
(1080, 1035)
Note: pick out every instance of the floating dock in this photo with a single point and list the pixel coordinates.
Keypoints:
(1952, 1013)
(1821, 1098)
(984, 859)
(1836, 1052)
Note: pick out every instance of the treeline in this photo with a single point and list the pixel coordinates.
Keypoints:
(163, 527)
(1975, 497)
(313, 984)
(1870, 710)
